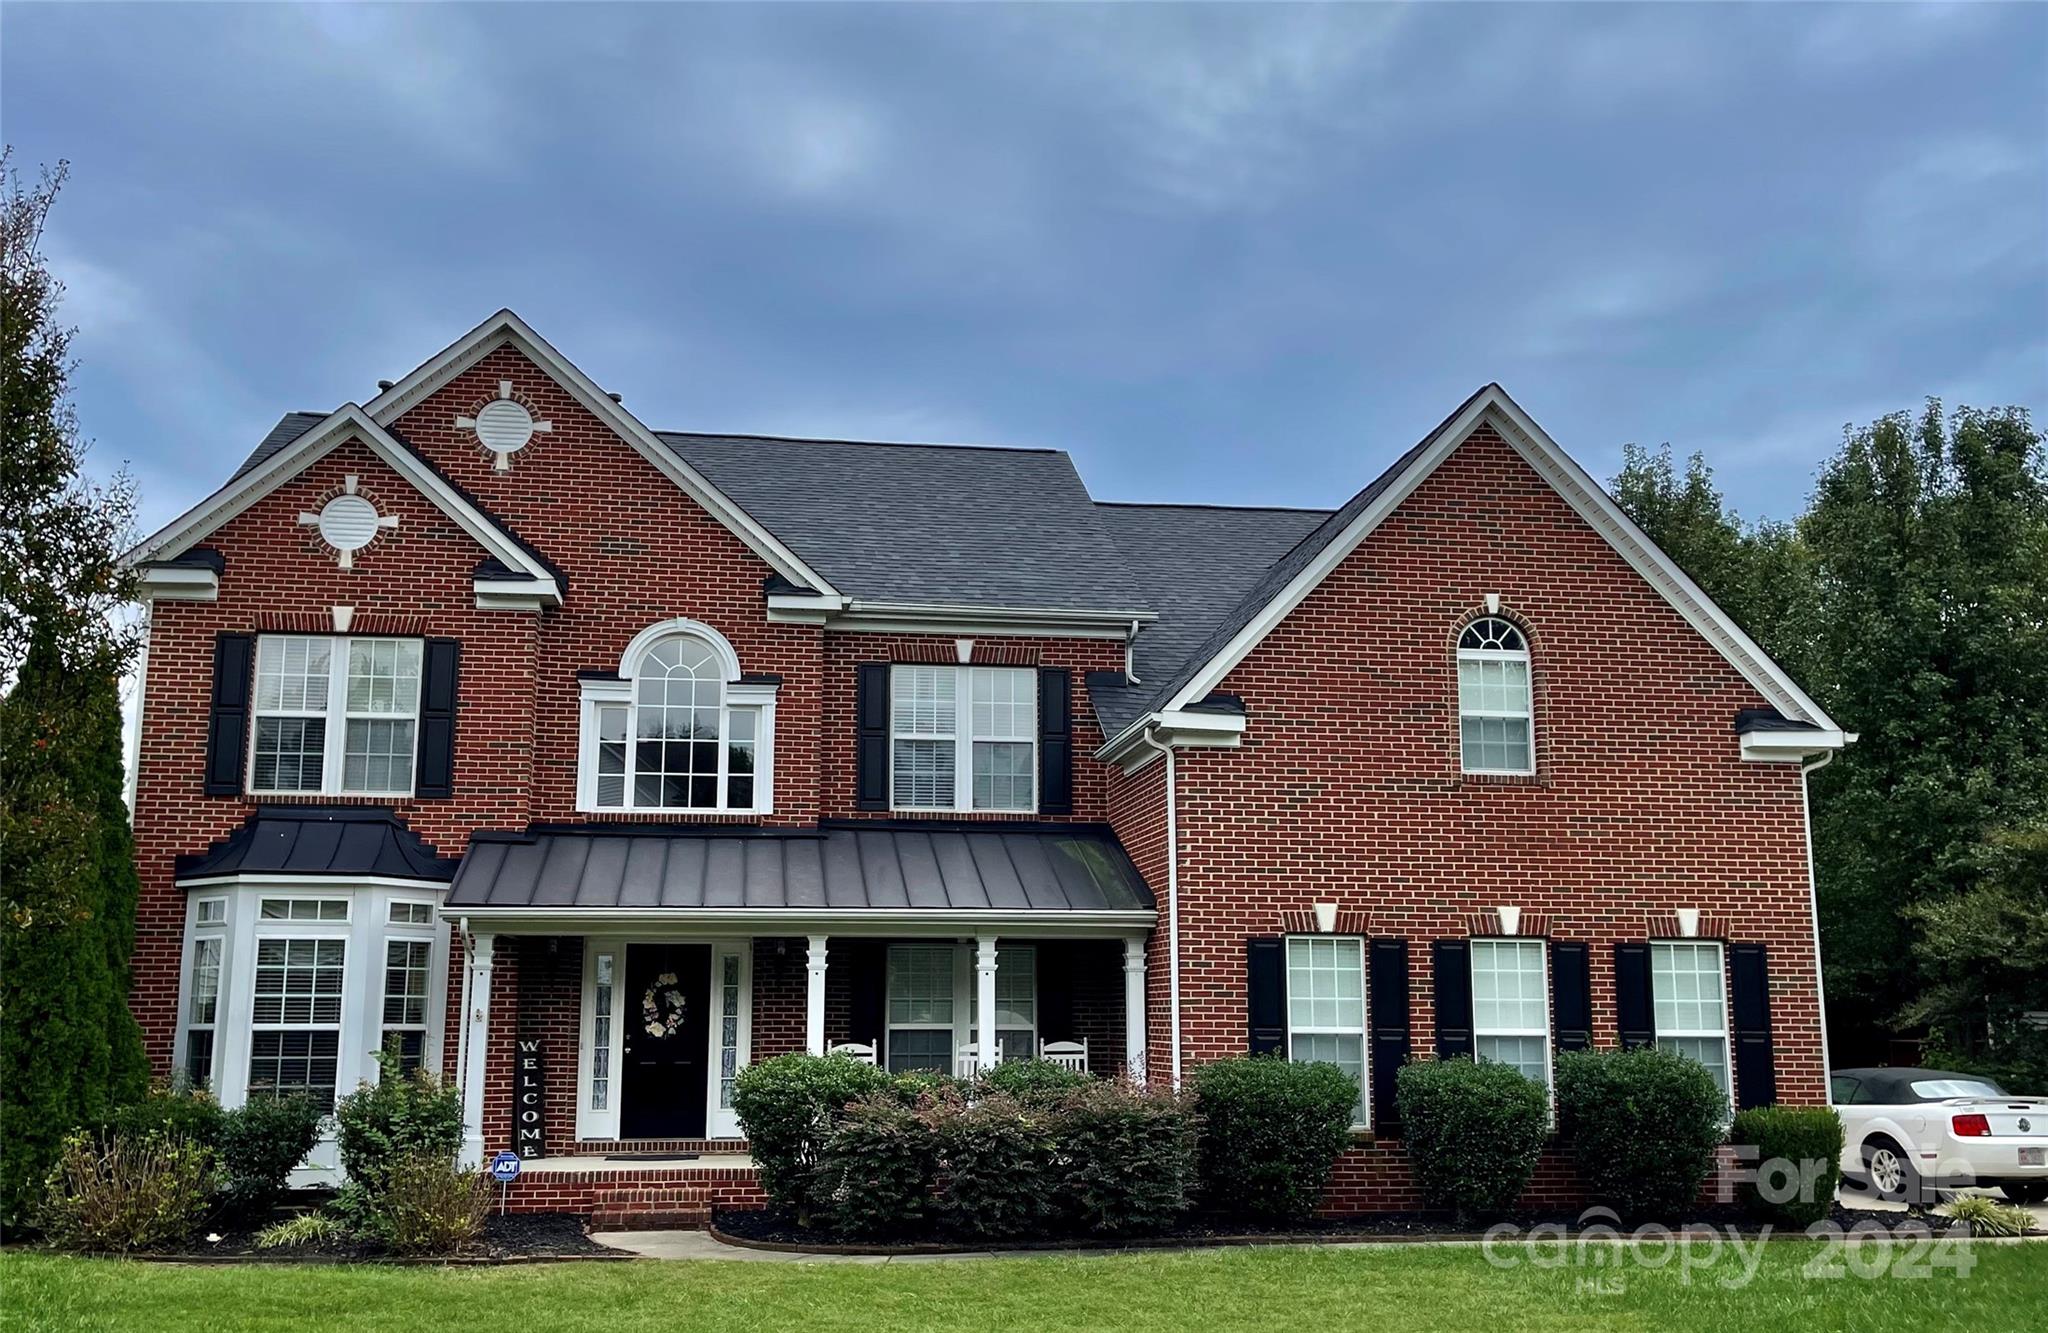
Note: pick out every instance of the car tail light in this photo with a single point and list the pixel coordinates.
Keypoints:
(1972, 1126)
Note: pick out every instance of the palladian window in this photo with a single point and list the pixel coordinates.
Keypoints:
(678, 730)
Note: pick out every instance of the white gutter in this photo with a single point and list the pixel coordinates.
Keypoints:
(1820, 991)
(1172, 908)
(799, 921)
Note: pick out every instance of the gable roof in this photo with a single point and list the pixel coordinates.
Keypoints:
(1290, 579)
(920, 524)
(278, 460)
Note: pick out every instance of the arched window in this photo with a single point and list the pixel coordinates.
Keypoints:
(677, 730)
(1495, 726)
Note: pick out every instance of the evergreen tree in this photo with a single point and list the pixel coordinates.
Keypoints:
(69, 1048)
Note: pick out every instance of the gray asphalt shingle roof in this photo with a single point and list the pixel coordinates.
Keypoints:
(939, 868)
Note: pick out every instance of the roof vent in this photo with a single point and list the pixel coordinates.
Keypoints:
(503, 425)
(385, 384)
(616, 397)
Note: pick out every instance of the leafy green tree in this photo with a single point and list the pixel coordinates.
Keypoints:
(70, 1050)
(1985, 955)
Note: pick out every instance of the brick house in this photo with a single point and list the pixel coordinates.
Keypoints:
(587, 763)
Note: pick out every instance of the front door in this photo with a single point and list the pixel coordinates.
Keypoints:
(667, 1033)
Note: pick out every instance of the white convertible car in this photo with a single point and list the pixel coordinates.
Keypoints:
(1908, 1130)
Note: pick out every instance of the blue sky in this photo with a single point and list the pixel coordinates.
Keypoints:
(1228, 254)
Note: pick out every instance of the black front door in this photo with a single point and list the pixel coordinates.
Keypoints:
(667, 1018)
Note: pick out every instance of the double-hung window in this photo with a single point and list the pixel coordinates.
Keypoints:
(1510, 1006)
(963, 738)
(295, 1036)
(1686, 994)
(923, 984)
(674, 734)
(406, 966)
(1326, 1006)
(1494, 714)
(203, 1005)
(335, 715)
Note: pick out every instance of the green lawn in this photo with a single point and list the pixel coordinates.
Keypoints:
(1311, 1290)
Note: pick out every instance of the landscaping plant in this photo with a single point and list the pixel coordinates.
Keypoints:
(147, 1192)
(1035, 1081)
(1988, 1217)
(303, 1230)
(997, 1156)
(1643, 1126)
(875, 1170)
(1808, 1139)
(400, 1116)
(1271, 1131)
(786, 1107)
(1473, 1132)
(430, 1205)
(1127, 1158)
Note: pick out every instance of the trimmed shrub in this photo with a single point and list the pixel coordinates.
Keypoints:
(1040, 1082)
(259, 1144)
(128, 1193)
(1271, 1131)
(1473, 1132)
(1808, 1139)
(1127, 1158)
(997, 1156)
(430, 1205)
(786, 1106)
(913, 1086)
(189, 1114)
(875, 1169)
(1643, 1126)
(399, 1116)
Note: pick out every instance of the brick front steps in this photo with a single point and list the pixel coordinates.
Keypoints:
(627, 1196)
(651, 1208)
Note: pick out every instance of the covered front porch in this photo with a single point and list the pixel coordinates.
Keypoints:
(610, 998)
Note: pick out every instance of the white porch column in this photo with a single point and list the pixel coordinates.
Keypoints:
(476, 1047)
(985, 1053)
(814, 998)
(1134, 1006)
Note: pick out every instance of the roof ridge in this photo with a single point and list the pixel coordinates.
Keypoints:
(1202, 504)
(863, 444)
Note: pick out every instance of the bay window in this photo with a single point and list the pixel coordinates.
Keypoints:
(1326, 1006)
(963, 738)
(204, 1011)
(295, 1039)
(334, 715)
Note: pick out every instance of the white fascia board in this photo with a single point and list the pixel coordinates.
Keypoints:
(1792, 746)
(799, 921)
(309, 883)
(346, 422)
(868, 617)
(178, 583)
(1585, 497)
(516, 594)
(1183, 729)
(507, 327)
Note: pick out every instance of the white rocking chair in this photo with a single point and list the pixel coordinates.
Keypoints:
(967, 1063)
(854, 1050)
(1066, 1054)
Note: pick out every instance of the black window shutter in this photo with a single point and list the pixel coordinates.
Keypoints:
(1266, 994)
(1571, 995)
(1756, 1080)
(871, 720)
(1452, 965)
(1632, 1011)
(1387, 975)
(1055, 742)
(435, 779)
(1056, 976)
(868, 968)
(227, 722)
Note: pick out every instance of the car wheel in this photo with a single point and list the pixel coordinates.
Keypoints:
(2025, 1191)
(1890, 1171)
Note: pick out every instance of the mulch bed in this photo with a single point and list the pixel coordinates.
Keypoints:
(769, 1229)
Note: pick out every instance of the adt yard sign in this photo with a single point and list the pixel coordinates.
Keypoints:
(505, 1167)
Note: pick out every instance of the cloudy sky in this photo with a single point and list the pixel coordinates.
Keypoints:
(1238, 254)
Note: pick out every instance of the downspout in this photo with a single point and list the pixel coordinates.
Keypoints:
(1820, 990)
(462, 1028)
(1172, 906)
(1131, 654)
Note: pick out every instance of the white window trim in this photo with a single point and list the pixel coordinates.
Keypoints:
(333, 758)
(963, 740)
(1542, 948)
(619, 693)
(410, 932)
(719, 1123)
(965, 999)
(197, 931)
(1364, 1009)
(1725, 1036)
(1527, 659)
(273, 932)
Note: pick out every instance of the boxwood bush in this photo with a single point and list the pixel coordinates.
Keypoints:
(997, 1156)
(1473, 1131)
(1798, 1161)
(786, 1108)
(1271, 1131)
(1127, 1158)
(260, 1142)
(876, 1166)
(1642, 1126)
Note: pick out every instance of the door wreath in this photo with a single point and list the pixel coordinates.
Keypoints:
(663, 1006)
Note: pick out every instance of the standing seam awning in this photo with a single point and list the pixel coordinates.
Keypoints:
(1001, 869)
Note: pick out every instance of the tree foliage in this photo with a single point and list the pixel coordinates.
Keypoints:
(69, 1049)
(1911, 599)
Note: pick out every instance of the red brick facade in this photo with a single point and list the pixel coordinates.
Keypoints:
(1346, 789)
